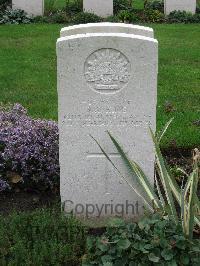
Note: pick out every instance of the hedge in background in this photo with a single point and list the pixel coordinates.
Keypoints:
(124, 11)
(4, 4)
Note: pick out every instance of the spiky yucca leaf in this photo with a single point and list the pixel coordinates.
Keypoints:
(169, 184)
(164, 176)
(188, 206)
(177, 192)
(160, 135)
(121, 175)
(137, 173)
(159, 189)
(192, 193)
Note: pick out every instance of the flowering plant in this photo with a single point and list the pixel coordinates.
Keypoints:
(29, 147)
(3, 185)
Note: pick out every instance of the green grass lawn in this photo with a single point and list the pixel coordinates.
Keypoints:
(28, 75)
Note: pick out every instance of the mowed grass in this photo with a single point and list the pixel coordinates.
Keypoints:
(28, 75)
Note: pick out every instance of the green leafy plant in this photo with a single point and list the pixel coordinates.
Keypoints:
(84, 17)
(114, 18)
(4, 4)
(121, 5)
(155, 240)
(155, 200)
(182, 17)
(10, 16)
(155, 5)
(154, 16)
(59, 17)
(127, 16)
(73, 6)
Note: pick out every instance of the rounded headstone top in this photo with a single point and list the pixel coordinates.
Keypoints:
(107, 27)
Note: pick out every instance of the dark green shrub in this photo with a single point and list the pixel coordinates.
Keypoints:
(155, 5)
(42, 237)
(196, 18)
(10, 16)
(73, 6)
(114, 18)
(4, 4)
(59, 17)
(119, 5)
(154, 16)
(84, 17)
(153, 241)
(127, 16)
(181, 17)
(41, 19)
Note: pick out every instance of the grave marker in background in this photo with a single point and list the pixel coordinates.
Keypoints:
(31, 7)
(182, 5)
(106, 81)
(102, 8)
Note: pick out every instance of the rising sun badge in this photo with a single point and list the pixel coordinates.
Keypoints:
(107, 70)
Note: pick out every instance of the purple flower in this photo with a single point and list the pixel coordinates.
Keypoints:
(29, 146)
(3, 185)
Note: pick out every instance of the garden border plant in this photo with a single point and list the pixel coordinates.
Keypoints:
(185, 196)
(28, 150)
(154, 240)
(164, 238)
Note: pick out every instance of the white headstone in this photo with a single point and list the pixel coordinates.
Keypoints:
(31, 7)
(102, 8)
(106, 81)
(182, 5)
(106, 27)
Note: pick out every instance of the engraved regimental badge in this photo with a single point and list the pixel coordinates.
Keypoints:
(107, 70)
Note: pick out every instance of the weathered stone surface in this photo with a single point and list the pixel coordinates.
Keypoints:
(182, 5)
(31, 7)
(102, 8)
(105, 82)
(106, 27)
